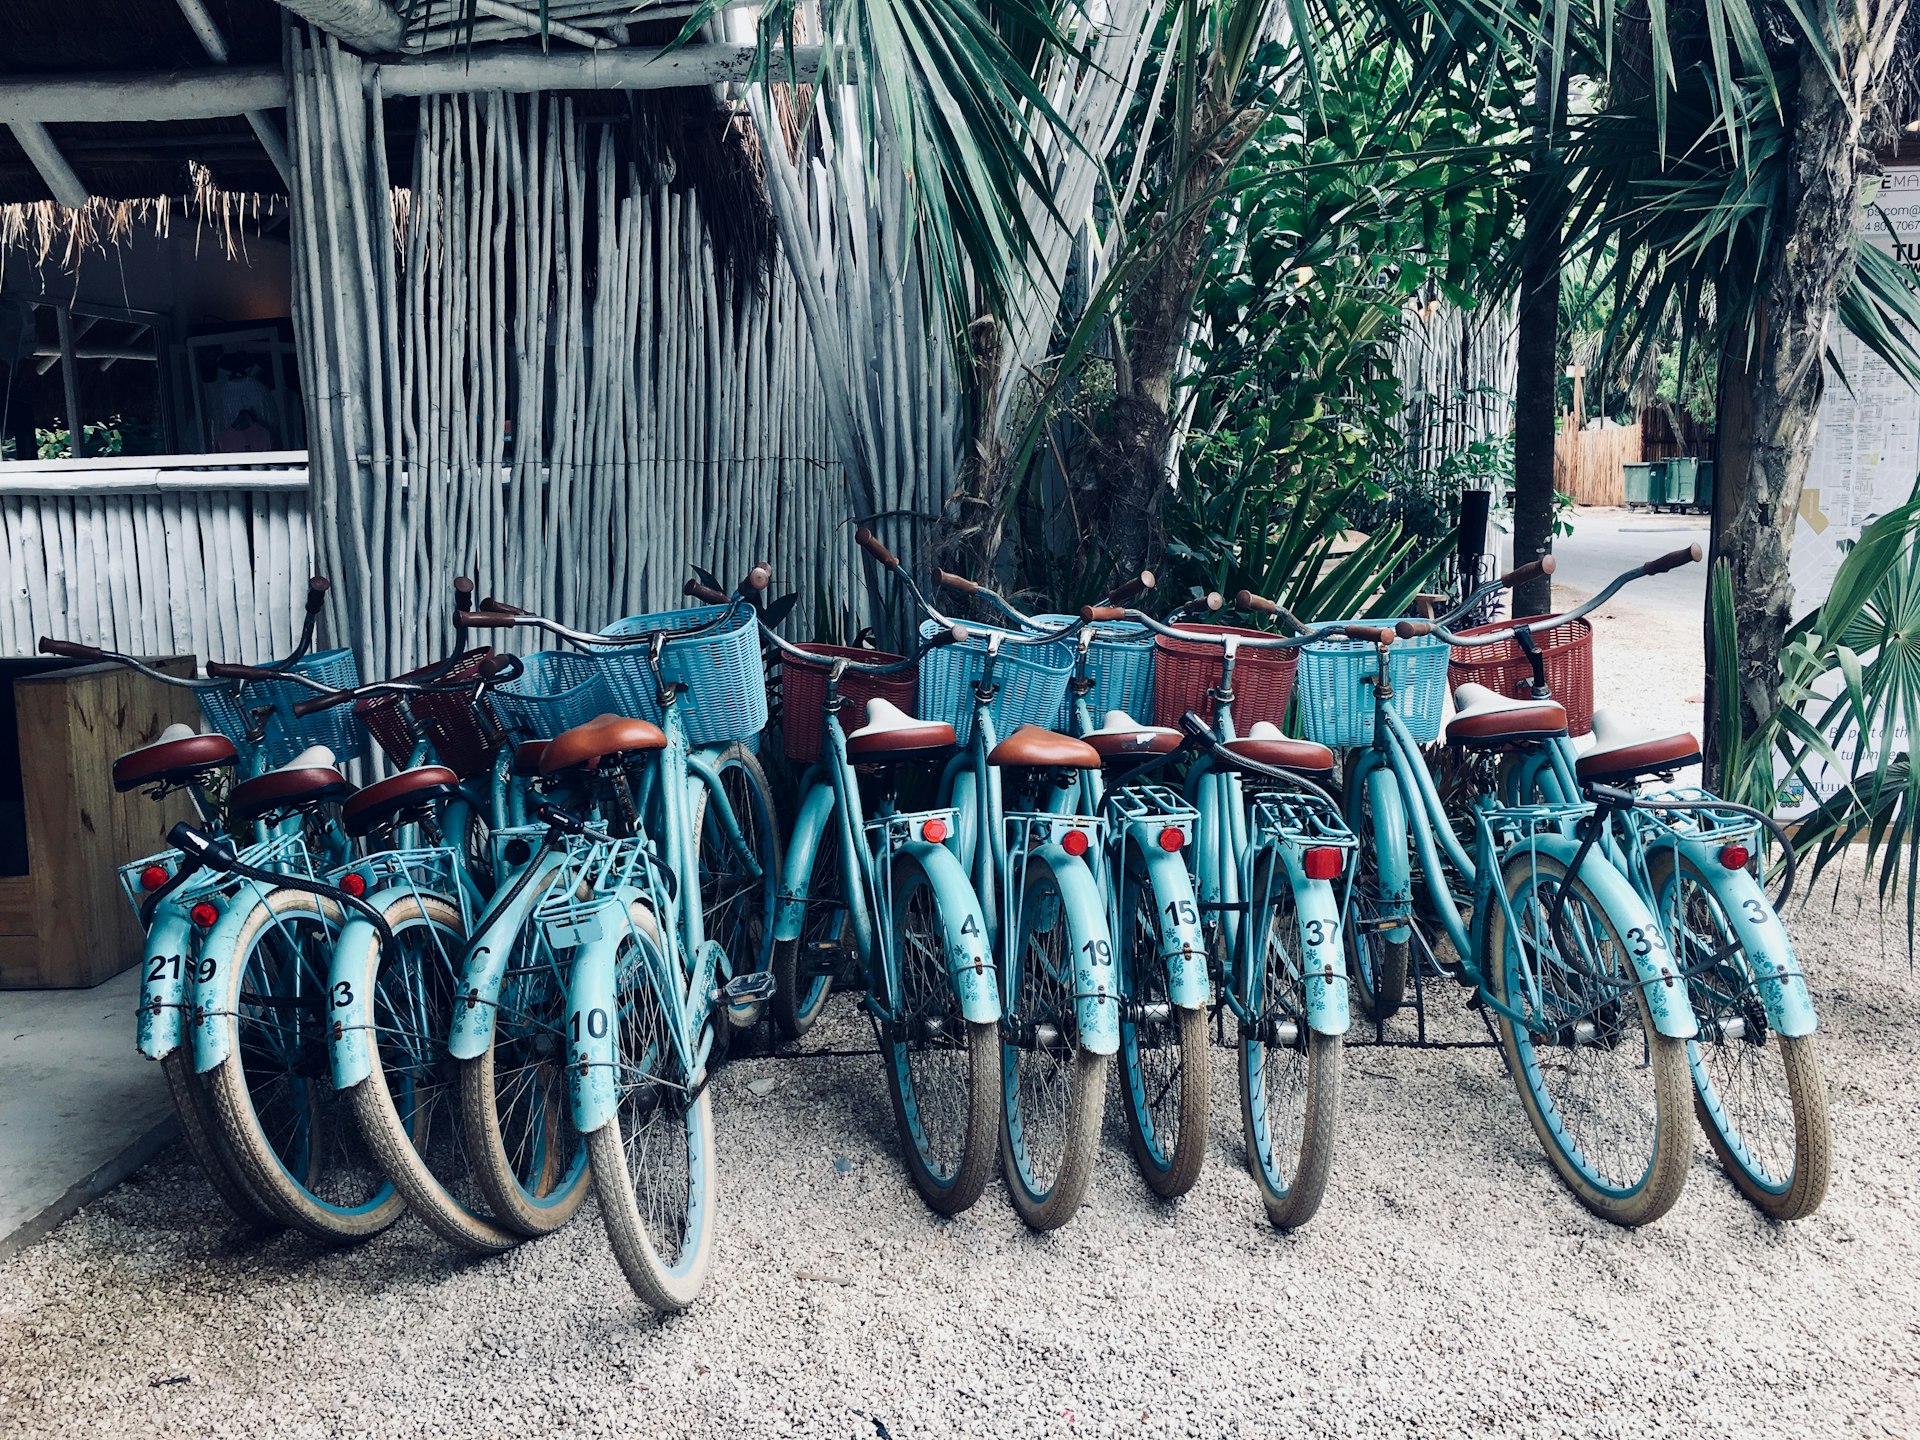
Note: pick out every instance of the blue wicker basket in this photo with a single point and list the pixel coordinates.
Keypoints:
(558, 690)
(1335, 687)
(287, 734)
(726, 694)
(1032, 681)
(1120, 664)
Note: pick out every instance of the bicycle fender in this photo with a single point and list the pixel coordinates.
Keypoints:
(165, 964)
(485, 966)
(591, 1052)
(349, 1006)
(1323, 961)
(1776, 973)
(1176, 917)
(1393, 864)
(976, 981)
(1096, 984)
(790, 908)
(216, 988)
(1666, 993)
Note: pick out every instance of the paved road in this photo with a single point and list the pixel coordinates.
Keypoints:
(1606, 541)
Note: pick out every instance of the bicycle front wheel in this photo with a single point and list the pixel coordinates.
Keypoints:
(1053, 1088)
(653, 1162)
(1379, 967)
(199, 1127)
(1758, 1095)
(273, 1094)
(1605, 1092)
(942, 1072)
(738, 907)
(1289, 1074)
(528, 1160)
(408, 1107)
(1163, 1048)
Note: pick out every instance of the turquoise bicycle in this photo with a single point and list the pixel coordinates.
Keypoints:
(1018, 830)
(1557, 945)
(1696, 861)
(870, 888)
(617, 926)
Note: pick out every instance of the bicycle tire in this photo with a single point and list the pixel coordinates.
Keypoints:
(948, 1133)
(1627, 1199)
(666, 1249)
(1169, 1170)
(286, 1168)
(800, 994)
(1379, 967)
(199, 1127)
(422, 1151)
(1290, 1162)
(742, 926)
(1725, 1107)
(1047, 1191)
(528, 1160)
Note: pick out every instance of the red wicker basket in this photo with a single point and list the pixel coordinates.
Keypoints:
(449, 721)
(1185, 670)
(803, 695)
(1504, 668)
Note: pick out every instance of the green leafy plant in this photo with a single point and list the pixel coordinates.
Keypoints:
(1849, 682)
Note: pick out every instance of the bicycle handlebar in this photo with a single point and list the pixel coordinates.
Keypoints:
(694, 590)
(870, 542)
(317, 587)
(1533, 570)
(950, 581)
(1127, 589)
(1673, 560)
(952, 635)
(493, 669)
(203, 851)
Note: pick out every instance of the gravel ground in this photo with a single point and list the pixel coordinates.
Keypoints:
(1448, 1286)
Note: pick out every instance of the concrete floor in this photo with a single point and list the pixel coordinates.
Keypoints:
(80, 1108)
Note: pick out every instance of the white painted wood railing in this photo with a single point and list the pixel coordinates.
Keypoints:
(155, 554)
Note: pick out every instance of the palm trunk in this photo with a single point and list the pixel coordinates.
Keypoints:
(1772, 377)
(1536, 354)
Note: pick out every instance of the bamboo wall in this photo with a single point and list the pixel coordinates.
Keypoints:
(1457, 370)
(1587, 463)
(522, 365)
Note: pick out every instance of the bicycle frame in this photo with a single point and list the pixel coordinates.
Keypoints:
(867, 848)
(1778, 977)
(1534, 830)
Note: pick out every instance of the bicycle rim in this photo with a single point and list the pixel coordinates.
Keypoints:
(738, 908)
(1165, 1076)
(928, 1055)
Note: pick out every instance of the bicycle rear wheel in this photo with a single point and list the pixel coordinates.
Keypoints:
(1605, 1092)
(199, 1127)
(1053, 1088)
(653, 1163)
(279, 1114)
(1758, 1095)
(1163, 1048)
(802, 969)
(1290, 1074)
(737, 908)
(942, 1072)
(528, 1161)
(409, 1106)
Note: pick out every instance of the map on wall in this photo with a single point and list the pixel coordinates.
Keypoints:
(1867, 452)
(1866, 456)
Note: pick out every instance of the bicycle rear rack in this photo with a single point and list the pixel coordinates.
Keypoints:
(284, 853)
(586, 887)
(424, 870)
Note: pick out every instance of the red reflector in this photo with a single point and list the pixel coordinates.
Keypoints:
(153, 877)
(203, 915)
(1324, 862)
(354, 883)
(1171, 838)
(1074, 842)
(1735, 857)
(934, 831)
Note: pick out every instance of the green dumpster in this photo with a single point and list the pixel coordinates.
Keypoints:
(1683, 482)
(1646, 483)
(1703, 491)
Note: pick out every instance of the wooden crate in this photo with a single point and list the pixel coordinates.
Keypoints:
(66, 922)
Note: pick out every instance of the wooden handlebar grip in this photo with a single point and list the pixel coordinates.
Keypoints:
(870, 542)
(1674, 561)
(1520, 575)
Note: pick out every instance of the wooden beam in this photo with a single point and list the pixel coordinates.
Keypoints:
(70, 376)
(215, 44)
(51, 164)
(530, 22)
(638, 68)
(370, 25)
(173, 95)
(94, 352)
(49, 356)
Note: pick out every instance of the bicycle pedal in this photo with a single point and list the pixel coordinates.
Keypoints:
(748, 989)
